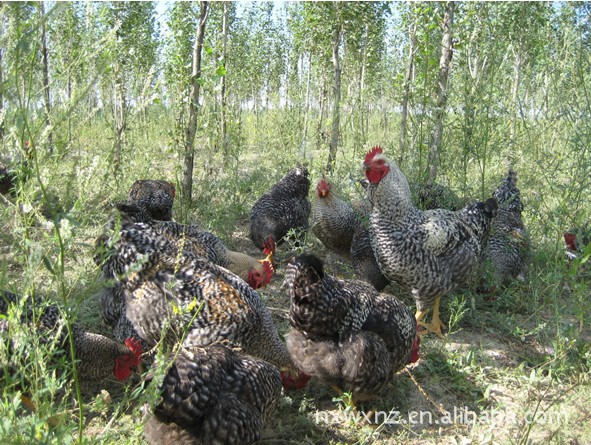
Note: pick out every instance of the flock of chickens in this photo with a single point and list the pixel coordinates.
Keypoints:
(176, 294)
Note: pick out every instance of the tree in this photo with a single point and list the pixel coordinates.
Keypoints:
(2, 112)
(444, 66)
(194, 106)
(46, 90)
(132, 55)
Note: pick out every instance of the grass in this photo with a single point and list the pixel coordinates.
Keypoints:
(518, 360)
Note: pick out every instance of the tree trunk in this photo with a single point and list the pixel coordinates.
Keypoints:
(306, 108)
(1, 83)
(361, 99)
(406, 89)
(514, 93)
(444, 64)
(319, 127)
(46, 94)
(334, 135)
(191, 129)
(120, 113)
(224, 127)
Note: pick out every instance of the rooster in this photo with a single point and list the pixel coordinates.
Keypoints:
(344, 332)
(175, 296)
(155, 197)
(505, 252)
(214, 395)
(431, 252)
(98, 357)
(283, 208)
(333, 220)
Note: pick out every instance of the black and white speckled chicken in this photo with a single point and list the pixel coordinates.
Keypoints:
(212, 396)
(344, 332)
(185, 238)
(284, 207)
(193, 239)
(155, 197)
(362, 257)
(505, 253)
(364, 261)
(98, 357)
(333, 220)
(174, 296)
(430, 252)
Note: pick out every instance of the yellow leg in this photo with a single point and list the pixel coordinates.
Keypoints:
(436, 323)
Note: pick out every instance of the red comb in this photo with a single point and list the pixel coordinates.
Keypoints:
(173, 191)
(134, 345)
(371, 153)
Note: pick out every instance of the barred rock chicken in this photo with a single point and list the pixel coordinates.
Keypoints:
(214, 395)
(430, 252)
(174, 296)
(155, 197)
(505, 253)
(186, 238)
(192, 238)
(364, 261)
(333, 220)
(344, 332)
(98, 356)
(362, 257)
(284, 207)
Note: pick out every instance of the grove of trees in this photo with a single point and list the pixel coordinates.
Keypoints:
(450, 87)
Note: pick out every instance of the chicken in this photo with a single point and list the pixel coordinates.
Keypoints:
(364, 261)
(430, 252)
(155, 197)
(175, 296)
(333, 220)
(187, 238)
(362, 257)
(214, 395)
(98, 357)
(344, 332)
(284, 207)
(505, 253)
(191, 238)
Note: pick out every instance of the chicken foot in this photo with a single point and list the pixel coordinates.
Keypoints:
(436, 324)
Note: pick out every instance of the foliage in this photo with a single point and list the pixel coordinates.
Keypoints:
(518, 96)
